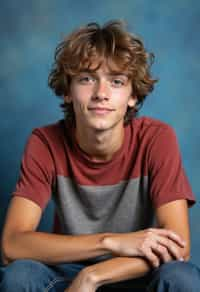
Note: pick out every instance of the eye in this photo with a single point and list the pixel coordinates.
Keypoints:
(118, 82)
(86, 79)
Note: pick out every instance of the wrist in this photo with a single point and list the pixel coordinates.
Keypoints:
(109, 242)
(90, 276)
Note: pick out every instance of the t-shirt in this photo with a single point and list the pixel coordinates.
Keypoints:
(119, 195)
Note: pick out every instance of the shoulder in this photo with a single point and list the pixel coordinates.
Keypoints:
(150, 128)
(158, 139)
(54, 134)
(144, 123)
(47, 138)
(50, 130)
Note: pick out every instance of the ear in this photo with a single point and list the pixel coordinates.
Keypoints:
(132, 101)
(67, 99)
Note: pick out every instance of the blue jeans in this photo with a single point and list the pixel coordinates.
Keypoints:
(33, 276)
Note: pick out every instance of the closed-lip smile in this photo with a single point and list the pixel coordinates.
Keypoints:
(100, 109)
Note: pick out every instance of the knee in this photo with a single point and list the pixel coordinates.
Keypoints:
(20, 275)
(180, 276)
(180, 271)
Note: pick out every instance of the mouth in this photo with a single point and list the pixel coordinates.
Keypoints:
(100, 110)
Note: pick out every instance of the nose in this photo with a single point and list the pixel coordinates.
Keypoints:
(101, 90)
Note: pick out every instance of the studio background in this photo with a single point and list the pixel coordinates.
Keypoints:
(30, 31)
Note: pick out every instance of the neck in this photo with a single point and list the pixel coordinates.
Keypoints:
(100, 145)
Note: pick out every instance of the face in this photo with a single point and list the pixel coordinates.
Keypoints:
(100, 99)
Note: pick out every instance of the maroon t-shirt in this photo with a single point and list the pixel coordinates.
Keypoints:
(119, 195)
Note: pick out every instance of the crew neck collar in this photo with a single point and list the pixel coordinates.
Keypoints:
(85, 157)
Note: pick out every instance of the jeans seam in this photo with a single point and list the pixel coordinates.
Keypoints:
(53, 282)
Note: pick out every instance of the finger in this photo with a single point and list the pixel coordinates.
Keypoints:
(162, 252)
(172, 247)
(171, 235)
(152, 258)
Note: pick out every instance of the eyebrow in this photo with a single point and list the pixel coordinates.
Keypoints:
(117, 73)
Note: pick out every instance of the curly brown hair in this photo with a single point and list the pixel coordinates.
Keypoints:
(94, 44)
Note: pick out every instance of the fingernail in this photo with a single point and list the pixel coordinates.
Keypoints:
(181, 259)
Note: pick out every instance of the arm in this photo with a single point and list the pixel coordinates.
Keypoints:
(110, 271)
(123, 268)
(174, 216)
(21, 240)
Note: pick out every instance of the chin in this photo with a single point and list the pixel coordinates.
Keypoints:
(103, 127)
(98, 125)
(103, 124)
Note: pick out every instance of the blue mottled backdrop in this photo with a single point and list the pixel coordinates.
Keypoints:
(30, 31)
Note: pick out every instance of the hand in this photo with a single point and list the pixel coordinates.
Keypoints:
(155, 244)
(82, 283)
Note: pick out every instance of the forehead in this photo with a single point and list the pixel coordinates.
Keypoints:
(106, 65)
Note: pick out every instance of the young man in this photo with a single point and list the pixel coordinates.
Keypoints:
(117, 180)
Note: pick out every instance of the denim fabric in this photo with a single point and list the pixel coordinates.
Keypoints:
(33, 276)
(177, 277)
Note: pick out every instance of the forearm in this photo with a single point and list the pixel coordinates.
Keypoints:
(53, 248)
(136, 254)
(117, 269)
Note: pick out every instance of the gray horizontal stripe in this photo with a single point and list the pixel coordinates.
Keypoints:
(123, 207)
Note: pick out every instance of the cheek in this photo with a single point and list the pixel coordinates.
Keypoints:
(122, 100)
(79, 98)
(78, 106)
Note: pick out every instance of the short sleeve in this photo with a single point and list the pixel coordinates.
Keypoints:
(168, 181)
(36, 172)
